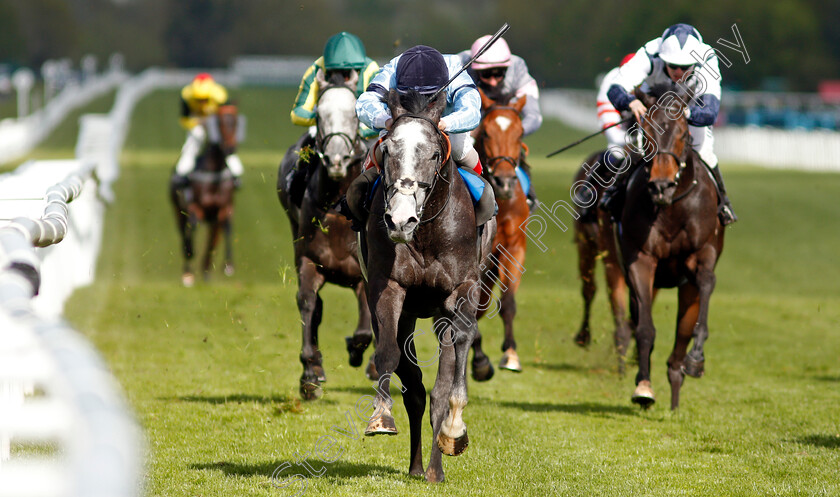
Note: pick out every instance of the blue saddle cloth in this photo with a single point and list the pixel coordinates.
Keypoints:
(524, 180)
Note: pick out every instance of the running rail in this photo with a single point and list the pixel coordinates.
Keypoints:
(65, 429)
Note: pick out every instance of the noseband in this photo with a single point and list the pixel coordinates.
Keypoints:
(407, 186)
(681, 161)
(494, 161)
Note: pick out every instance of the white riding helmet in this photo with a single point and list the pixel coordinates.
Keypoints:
(497, 55)
(678, 42)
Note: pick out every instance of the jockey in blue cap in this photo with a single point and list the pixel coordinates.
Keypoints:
(425, 70)
(678, 57)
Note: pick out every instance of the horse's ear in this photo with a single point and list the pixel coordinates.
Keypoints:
(520, 104)
(354, 80)
(648, 100)
(437, 107)
(320, 78)
(393, 101)
(486, 102)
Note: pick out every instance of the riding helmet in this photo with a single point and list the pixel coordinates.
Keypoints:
(422, 69)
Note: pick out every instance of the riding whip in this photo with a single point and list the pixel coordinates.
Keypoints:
(588, 137)
(478, 54)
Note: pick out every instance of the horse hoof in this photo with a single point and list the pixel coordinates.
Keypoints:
(371, 373)
(188, 280)
(356, 352)
(510, 361)
(434, 476)
(228, 269)
(381, 425)
(319, 372)
(310, 390)
(453, 446)
(583, 339)
(693, 368)
(643, 395)
(482, 370)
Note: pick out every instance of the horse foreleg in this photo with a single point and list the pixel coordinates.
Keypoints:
(695, 361)
(587, 247)
(187, 223)
(452, 439)
(440, 394)
(641, 273)
(689, 306)
(227, 228)
(385, 299)
(413, 394)
(510, 274)
(310, 282)
(213, 235)
(359, 342)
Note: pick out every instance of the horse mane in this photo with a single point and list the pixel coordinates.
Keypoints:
(336, 79)
(413, 101)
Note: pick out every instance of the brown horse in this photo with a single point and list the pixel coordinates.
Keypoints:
(209, 196)
(324, 242)
(669, 235)
(595, 240)
(500, 147)
(423, 256)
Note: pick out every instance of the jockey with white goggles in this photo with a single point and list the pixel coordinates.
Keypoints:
(679, 58)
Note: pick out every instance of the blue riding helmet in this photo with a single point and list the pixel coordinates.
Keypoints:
(422, 69)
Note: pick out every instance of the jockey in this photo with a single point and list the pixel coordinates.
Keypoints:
(199, 100)
(499, 73)
(679, 56)
(344, 53)
(425, 70)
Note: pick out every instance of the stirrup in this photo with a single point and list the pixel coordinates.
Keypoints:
(727, 215)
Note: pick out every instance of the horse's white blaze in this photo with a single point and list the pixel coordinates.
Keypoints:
(409, 140)
(504, 122)
(337, 114)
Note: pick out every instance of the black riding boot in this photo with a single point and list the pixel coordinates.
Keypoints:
(726, 213)
(297, 179)
(612, 199)
(354, 205)
(180, 187)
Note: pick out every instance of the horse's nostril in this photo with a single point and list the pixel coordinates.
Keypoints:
(389, 222)
(411, 223)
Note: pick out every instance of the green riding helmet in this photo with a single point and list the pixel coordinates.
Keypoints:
(344, 51)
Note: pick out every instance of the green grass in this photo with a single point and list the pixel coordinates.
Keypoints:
(212, 371)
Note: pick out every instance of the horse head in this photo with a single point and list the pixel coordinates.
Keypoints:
(337, 143)
(668, 142)
(499, 140)
(414, 151)
(224, 129)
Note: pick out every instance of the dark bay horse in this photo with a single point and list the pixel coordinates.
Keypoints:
(324, 243)
(209, 196)
(500, 147)
(670, 236)
(422, 255)
(594, 239)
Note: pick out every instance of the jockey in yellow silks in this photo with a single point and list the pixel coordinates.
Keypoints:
(200, 99)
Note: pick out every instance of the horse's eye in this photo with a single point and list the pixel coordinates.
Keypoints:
(436, 156)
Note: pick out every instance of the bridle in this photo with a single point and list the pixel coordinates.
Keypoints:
(322, 139)
(681, 161)
(407, 186)
(492, 162)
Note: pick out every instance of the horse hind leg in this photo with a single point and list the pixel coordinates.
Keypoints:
(587, 254)
(482, 367)
(213, 236)
(414, 399)
(695, 360)
(359, 342)
(309, 283)
(438, 397)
